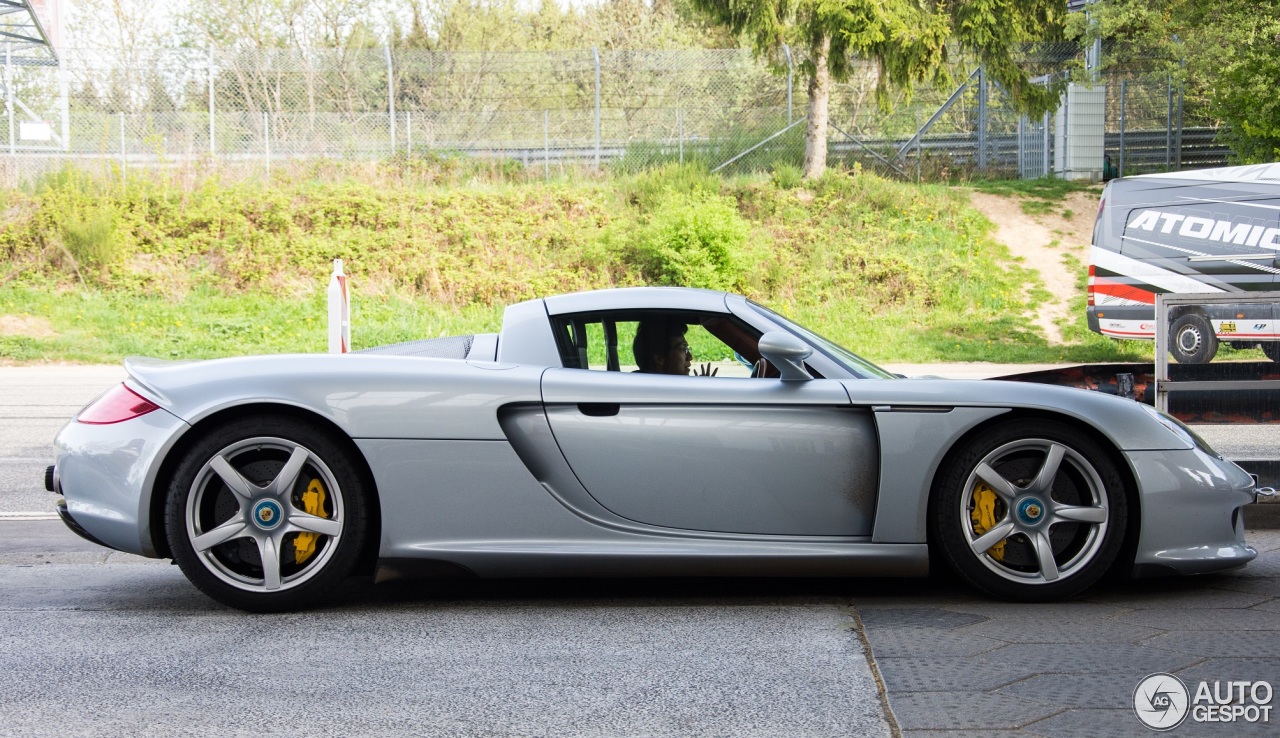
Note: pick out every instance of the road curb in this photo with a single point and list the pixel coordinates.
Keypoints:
(1262, 516)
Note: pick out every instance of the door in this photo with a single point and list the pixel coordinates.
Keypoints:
(733, 455)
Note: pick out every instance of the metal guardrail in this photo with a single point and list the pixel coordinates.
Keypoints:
(1147, 151)
(957, 148)
(1164, 386)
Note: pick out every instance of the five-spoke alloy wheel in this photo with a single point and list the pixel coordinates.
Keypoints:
(266, 514)
(1030, 510)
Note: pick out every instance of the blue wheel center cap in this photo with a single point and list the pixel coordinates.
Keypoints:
(267, 514)
(1030, 511)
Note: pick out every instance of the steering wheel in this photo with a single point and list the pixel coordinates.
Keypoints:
(760, 370)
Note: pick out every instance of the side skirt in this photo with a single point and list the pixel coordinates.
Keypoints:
(519, 559)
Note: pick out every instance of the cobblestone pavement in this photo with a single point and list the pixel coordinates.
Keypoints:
(956, 664)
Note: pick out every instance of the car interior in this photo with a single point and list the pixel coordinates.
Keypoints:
(603, 341)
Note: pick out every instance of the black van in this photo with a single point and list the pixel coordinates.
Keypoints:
(1213, 230)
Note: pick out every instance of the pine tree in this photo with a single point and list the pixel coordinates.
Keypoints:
(909, 40)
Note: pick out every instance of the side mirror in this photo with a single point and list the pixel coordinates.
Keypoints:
(786, 352)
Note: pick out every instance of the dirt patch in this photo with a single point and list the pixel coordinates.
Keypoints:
(26, 326)
(1040, 241)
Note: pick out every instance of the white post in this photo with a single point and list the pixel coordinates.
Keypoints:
(546, 145)
(64, 100)
(391, 99)
(595, 54)
(680, 116)
(266, 140)
(212, 149)
(124, 154)
(339, 311)
(8, 94)
(790, 72)
(408, 133)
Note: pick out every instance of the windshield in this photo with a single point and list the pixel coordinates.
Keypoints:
(856, 365)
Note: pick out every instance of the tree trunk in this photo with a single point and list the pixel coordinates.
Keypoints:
(815, 138)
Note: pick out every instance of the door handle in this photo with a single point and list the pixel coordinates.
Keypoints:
(599, 409)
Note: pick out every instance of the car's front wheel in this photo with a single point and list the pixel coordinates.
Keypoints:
(266, 514)
(1029, 510)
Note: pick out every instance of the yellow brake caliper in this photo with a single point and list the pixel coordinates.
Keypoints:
(304, 546)
(983, 516)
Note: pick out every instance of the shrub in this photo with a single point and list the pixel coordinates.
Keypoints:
(695, 240)
(90, 236)
(79, 219)
(647, 189)
(786, 176)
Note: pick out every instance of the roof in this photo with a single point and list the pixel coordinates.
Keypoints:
(631, 298)
(1248, 173)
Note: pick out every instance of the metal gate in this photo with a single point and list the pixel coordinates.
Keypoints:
(1035, 155)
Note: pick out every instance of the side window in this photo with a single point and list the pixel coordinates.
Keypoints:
(659, 342)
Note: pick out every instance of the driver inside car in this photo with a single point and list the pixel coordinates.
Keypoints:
(660, 347)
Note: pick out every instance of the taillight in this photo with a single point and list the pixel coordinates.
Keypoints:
(116, 405)
(1092, 276)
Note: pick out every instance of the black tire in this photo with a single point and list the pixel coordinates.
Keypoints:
(1191, 340)
(221, 538)
(1272, 350)
(1026, 516)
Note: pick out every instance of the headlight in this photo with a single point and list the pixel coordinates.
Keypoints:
(1180, 429)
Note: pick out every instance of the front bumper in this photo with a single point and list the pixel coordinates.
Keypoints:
(1123, 321)
(1191, 513)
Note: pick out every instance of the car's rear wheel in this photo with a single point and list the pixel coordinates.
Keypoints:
(1029, 510)
(266, 514)
(1192, 340)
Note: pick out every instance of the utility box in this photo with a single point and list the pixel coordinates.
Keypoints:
(1080, 133)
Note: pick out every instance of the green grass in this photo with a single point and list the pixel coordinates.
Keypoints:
(93, 325)
(1038, 196)
(1044, 188)
(897, 272)
(1037, 207)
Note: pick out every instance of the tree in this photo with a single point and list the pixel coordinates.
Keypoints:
(125, 33)
(549, 25)
(1226, 53)
(290, 55)
(910, 40)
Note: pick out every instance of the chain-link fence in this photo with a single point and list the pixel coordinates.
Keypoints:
(555, 110)
(1153, 125)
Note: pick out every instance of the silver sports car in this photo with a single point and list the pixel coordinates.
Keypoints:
(633, 432)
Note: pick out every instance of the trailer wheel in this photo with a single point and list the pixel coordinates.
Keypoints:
(1191, 340)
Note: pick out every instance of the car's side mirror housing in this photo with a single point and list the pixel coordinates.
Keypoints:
(786, 352)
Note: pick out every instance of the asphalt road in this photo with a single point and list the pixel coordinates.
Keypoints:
(124, 649)
(35, 401)
(101, 643)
